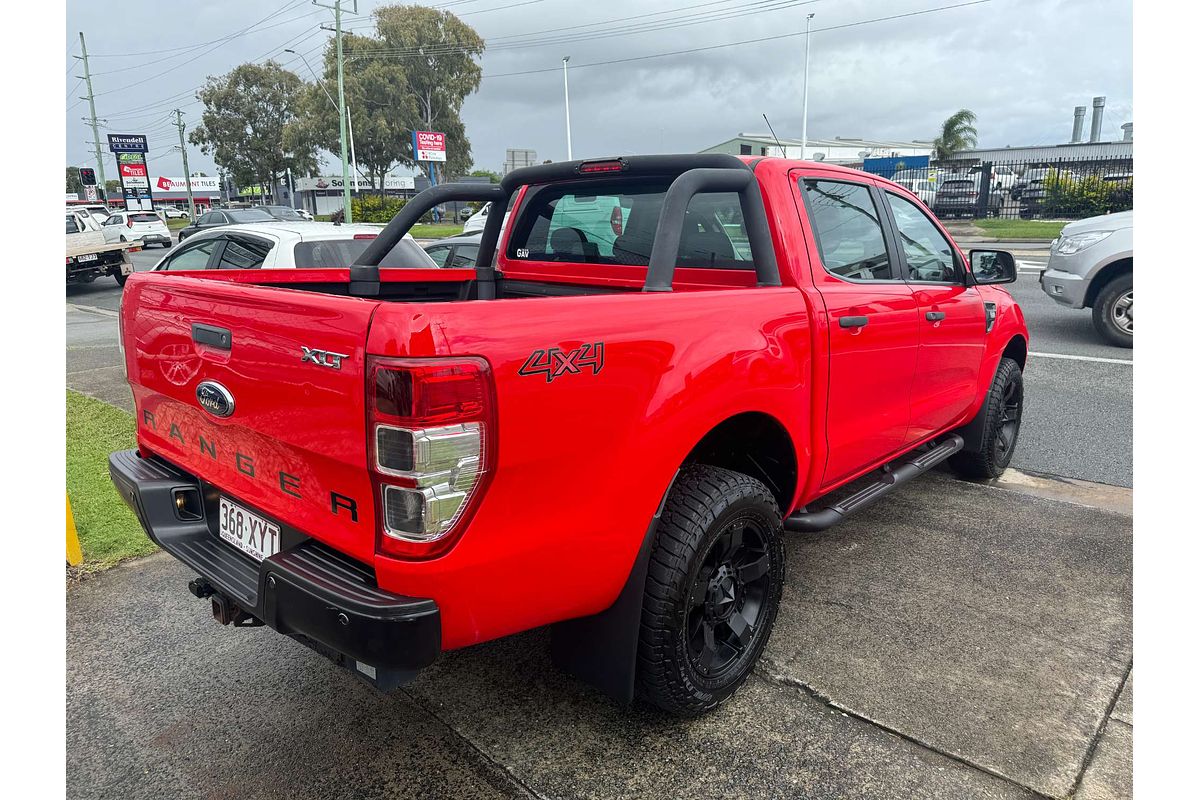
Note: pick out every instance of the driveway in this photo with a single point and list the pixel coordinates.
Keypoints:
(955, 641)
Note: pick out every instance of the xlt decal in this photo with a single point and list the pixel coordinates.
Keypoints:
(556, 362)
(322, 358)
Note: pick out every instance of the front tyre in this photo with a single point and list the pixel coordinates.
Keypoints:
(1001, 426)
(1113, 313)
(712, 590)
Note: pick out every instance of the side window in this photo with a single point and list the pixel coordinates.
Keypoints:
(191, 257)
(465, 255)
(243, 254)
(217, 218)
(439, 254)
(849, 234)
(115, 219)
(927, 255)
(205, 219)
(72, 225)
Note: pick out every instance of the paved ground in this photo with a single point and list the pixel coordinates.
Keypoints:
(1078, 423)
(947, 643)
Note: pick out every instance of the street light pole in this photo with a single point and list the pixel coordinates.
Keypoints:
(804, 112)
(567, 102)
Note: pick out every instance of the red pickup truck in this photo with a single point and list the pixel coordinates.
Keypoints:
(659, 366)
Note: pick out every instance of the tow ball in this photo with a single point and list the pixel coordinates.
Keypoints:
(224, 610)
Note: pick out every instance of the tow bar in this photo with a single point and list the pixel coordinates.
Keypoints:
(224, 610)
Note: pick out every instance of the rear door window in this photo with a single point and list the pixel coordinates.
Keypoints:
(848, 231)
(615, 222)
(243, 253)
(190, 256)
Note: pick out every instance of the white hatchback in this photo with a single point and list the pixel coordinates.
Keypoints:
(136, 226)
(287, 245)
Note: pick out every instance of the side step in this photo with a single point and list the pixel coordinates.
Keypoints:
(896, 473)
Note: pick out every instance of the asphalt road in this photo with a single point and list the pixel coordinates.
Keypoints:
(918, 653)
(1079, 411)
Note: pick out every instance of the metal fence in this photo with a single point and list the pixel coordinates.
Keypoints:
(1061, 189)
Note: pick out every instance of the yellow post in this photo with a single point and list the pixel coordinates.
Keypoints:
(74, 551)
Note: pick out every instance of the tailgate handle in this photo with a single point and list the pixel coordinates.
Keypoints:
(211, 335)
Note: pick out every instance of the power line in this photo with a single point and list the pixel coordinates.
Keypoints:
(742, 42)
(196, 46)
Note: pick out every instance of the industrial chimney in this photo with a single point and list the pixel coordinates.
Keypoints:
(1097, 118)
(1077, 128)
(1127, 128)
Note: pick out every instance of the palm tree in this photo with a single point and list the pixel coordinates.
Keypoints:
(958, 134)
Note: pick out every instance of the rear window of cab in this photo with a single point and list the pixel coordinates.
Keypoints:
(614, 222)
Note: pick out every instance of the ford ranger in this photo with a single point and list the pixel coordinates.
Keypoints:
(657, 367)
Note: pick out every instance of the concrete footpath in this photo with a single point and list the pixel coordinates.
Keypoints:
(955, 641)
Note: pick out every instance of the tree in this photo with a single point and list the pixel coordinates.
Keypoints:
(958, 134)
(494, 177)
(112, 188)
(245, 125)
(74, 185)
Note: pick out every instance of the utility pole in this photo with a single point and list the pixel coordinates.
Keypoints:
(187, 175)
(87, 77)
(341, 103)
(567, 102)
(804, 113)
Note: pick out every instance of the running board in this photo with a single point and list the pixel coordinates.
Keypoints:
(895, 473)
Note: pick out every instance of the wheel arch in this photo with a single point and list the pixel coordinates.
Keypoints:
(756, 444)
(1102, 278)
(1017, 349)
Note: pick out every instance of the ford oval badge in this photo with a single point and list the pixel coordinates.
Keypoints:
(214, 398)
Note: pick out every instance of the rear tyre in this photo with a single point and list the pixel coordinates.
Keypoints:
(121, 278)
(1001, 427)
(1113, 313)
(712, 590)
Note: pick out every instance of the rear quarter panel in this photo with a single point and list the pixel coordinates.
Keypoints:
(584, 460)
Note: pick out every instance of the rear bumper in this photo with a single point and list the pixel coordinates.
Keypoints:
(308, 591)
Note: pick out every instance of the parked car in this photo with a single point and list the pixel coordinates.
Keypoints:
(99, 211)
(136, 226)
(958, 196)
(171, 212)
(924, 183)
(286, 245)
(455, 251)
(1004, 178)
(304, 214)
(231, 216)
(285, 213)
(477, 220)
(1091, 266)
(89, 255)
(609, 440)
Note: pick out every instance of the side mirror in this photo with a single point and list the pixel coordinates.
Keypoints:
(993, 266)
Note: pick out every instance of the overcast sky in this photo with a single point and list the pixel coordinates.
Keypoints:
(1020, 65)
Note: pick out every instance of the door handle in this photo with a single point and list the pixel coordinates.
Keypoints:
(852, 322)
(211, 335)
(935, 316)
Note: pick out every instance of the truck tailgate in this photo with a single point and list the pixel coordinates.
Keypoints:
(294, 446)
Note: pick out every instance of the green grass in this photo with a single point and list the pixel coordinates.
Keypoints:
(176, 224)
(435, 231)
(108, 530)
(1020, 228)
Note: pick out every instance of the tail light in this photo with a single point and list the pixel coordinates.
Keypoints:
(129, 222)
(432, 446)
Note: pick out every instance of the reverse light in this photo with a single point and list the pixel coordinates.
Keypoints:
(431, 428)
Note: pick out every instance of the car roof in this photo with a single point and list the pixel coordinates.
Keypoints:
(466, 238)
(295, 230)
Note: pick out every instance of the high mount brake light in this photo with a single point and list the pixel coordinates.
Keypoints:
(366, 236)
(592, 167)
(432, 434)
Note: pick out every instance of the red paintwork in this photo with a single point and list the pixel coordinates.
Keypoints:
(579, 464)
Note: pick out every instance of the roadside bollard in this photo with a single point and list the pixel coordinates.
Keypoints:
(74, 551)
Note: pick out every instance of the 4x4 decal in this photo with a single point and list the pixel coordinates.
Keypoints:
(556, 362)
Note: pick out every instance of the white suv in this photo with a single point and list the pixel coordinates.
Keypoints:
(136, 226)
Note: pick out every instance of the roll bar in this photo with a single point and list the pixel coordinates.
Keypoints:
(712, 172)
(665, 251)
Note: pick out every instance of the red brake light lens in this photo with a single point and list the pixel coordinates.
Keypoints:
(592, 167)
(366, 236)
(430, 392)
(129, 222)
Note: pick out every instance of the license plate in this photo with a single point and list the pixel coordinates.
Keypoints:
(86, 257)
(248, 532)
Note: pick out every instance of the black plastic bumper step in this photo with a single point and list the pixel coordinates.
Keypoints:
(896, 473)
